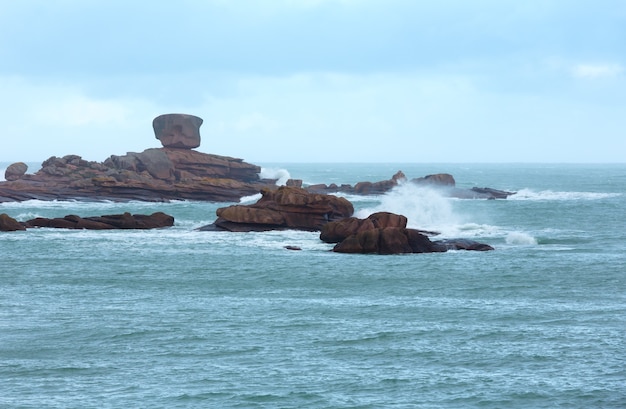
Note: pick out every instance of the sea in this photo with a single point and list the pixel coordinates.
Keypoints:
(180, 318)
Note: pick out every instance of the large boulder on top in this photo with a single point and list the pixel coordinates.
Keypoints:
(15, 171)
(286, 207)
(178, 130)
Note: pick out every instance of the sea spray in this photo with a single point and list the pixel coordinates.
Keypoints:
(424, 207)
(520, 238)
(281, 175)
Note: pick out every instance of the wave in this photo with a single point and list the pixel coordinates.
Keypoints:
(281, 175)
(425, 208)
(549, 195)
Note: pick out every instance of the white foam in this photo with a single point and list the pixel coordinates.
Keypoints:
(550, 195)
(520, 238)
(250, 199)
(425, 208)
(282, 175)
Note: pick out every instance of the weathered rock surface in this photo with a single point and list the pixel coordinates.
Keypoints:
(7, 223)
(178, 130)
(286, 207)
(15, 171)
(159, 174)
(107, 222)
(386, 233)
(336, 231)
(388, 240)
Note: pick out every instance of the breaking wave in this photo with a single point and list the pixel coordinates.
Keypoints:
(281, 175)
(549, 195)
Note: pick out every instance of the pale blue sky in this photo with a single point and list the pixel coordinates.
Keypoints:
(318, 80)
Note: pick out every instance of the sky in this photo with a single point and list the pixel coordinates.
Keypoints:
(406, 81)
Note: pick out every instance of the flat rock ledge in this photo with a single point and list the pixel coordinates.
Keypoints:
(281, 208)
(107, 222)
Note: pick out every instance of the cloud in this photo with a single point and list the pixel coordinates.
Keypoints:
(593, 71)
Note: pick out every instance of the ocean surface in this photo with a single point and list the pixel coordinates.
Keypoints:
(177, 318)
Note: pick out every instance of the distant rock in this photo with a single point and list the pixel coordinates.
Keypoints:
(286, 207)
(107, 222)
(7, 223)
(444, 182)
(178, 130)
(15, 171)
(463, 244)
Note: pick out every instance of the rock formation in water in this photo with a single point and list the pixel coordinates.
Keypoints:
(386, 233)
(107, 222)
(7, 223)
(173, 172)
(286, 207)
(443, 182)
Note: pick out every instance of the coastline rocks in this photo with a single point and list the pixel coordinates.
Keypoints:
(7, 223)
(286, 207)
(386, 233)
(337, 231)
(444, 182)
(154, 175)
(177, 130)
(107, 222)
(15, 171)
(388, 240)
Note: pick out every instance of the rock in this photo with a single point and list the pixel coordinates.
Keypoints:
(159, 174)
(178, 130)
(336, 231)
(464, 244)
(286, 207)
(15, 171)
(115, 221)
(388, 240)
(7, 223)
(293, 248)
(444, 182)
(438, 179)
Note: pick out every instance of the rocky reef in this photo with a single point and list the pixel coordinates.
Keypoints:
(443, 182)
(174, 172)
(107, 222)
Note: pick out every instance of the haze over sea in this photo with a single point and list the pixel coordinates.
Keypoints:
(177, 318)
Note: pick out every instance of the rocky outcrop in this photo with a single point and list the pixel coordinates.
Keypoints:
(107, 222)
(15, 171)
(444, 182)
(337, 231)
(7, 223)
(173, 172)
(386, 233)
(286, 207)
(388, 240)
(178, 130)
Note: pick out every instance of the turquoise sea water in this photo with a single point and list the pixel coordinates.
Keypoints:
(177, 318)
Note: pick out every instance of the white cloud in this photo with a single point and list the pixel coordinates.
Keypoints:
(593, 71)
